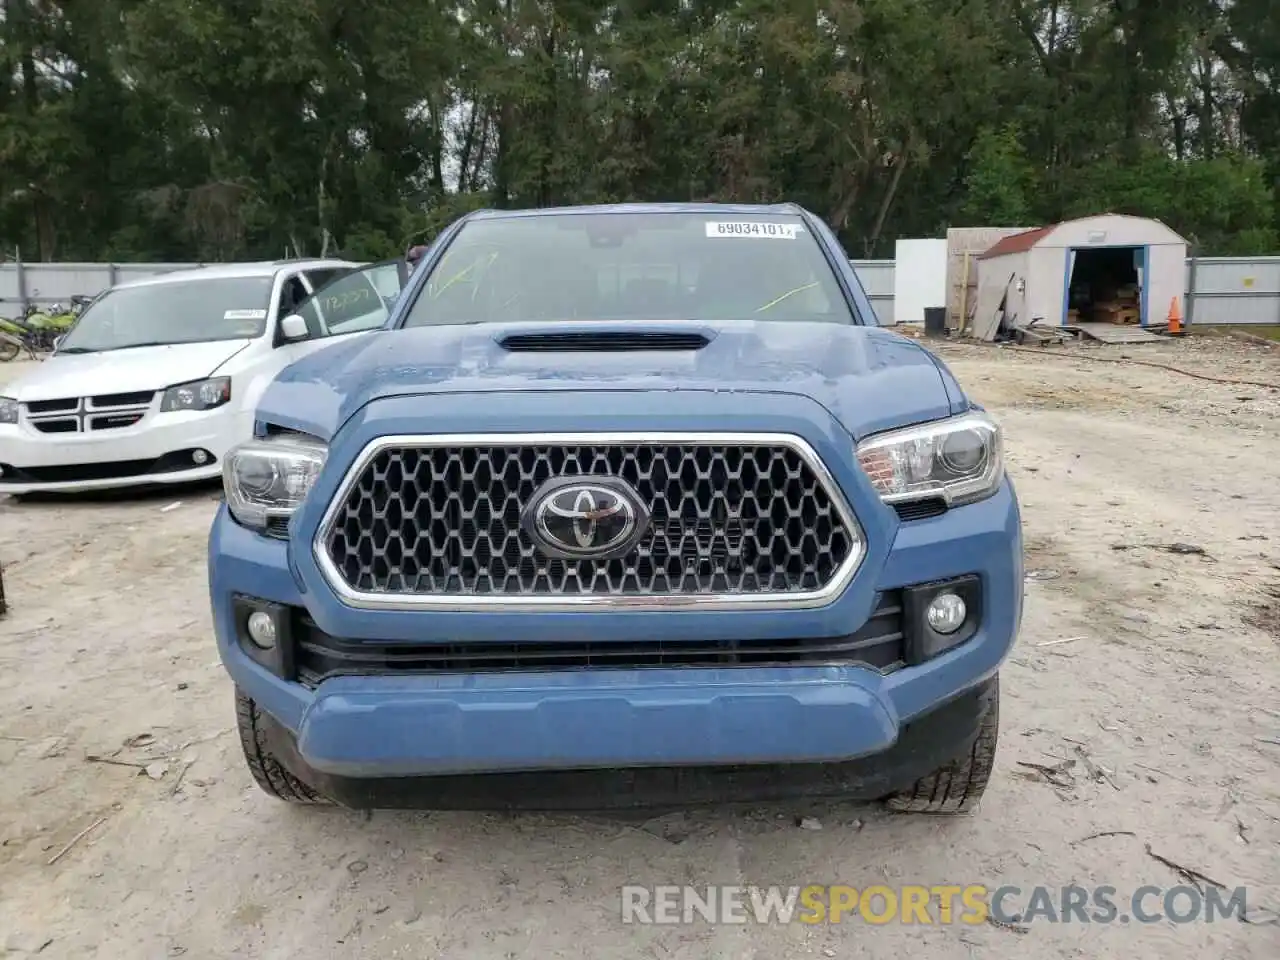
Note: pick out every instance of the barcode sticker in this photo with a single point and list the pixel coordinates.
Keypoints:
(753, 229)
(245, 315)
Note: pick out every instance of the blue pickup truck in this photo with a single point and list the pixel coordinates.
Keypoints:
(626, 505)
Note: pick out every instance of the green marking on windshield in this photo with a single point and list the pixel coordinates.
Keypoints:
(789, 293)
(461, 274)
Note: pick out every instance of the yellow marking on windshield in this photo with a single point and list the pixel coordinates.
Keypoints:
(789, 293)
(461, 274)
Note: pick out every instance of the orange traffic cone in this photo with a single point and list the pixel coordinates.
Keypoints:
(1175, 318)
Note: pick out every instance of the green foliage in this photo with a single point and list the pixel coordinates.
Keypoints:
(219, 129)
(1001, 184)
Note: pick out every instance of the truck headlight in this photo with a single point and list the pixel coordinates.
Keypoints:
(197, 395)
(8, 410)
(959, 459)
(267, 479)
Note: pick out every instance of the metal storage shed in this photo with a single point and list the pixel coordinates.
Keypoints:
(1035, 273)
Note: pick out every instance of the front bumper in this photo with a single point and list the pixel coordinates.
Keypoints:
(155, 451)
(367, 729)
(919, 747)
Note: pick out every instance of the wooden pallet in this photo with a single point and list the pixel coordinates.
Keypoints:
(1040, 334)
(1117, 333)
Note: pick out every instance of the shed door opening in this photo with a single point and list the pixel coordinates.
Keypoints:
(1105, 285)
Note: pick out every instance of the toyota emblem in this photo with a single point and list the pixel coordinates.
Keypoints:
(586, 518)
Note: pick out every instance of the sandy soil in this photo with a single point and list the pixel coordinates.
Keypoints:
(1159, 667)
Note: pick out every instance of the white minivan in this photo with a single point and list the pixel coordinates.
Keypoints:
(160, 377)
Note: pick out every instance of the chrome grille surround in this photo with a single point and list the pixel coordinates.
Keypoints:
(817, 502)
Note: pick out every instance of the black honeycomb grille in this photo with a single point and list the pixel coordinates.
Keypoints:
(725, 520)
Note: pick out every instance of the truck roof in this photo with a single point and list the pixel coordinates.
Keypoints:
(633, 208)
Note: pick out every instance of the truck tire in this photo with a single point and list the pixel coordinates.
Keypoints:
(957, 786)
(267, 772)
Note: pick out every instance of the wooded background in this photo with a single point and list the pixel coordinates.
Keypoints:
(225, 129)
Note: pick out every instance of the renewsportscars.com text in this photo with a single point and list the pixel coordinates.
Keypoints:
(927, 905)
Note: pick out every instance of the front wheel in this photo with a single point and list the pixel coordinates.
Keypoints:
(9, 349)
(957, 786)
(267, 771)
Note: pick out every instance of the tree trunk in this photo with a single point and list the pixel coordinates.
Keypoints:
(886, 202)
(468, 144)
(1206, 105)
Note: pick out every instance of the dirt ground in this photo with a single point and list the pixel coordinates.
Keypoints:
(1155, 670)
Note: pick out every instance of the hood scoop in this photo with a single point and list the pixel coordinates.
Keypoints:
(604, 340)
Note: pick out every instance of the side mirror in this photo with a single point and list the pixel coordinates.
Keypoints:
(293, 328)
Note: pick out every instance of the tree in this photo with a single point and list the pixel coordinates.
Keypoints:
(221, 129)
(1000, 186)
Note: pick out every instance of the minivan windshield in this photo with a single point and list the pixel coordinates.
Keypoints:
(632, 266)
(172, 312)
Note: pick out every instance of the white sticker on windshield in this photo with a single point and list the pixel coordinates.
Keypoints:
(245, 315)
(751, 228)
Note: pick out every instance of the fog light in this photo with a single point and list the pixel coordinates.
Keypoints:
(262, 629)
(200, 458)
(940, 615)
(946, 613)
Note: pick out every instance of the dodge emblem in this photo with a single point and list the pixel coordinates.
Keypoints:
(586, 518)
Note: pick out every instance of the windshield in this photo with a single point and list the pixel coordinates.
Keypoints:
(632, 266)
(186, 311)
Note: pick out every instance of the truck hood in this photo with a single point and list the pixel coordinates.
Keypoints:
(868, 378)
(121, 371)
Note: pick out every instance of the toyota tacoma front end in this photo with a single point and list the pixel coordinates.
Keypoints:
(549, 542)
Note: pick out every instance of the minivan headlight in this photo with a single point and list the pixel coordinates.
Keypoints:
(268, 478)
(8, 410)
(197, 395)
(959, 459)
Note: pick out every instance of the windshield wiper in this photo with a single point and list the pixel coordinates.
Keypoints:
(123, 346)
(144, 343)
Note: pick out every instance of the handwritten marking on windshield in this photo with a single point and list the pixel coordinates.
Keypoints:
(789, 293)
